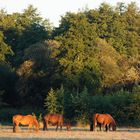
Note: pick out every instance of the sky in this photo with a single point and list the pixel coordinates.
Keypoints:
(54, 9)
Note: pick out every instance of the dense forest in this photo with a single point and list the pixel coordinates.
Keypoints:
(90, 63)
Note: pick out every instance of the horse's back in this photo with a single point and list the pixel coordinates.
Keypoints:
(23, 119)
(103, 118)
(17, 118)
(100, 118)
(53, 118)
(106, 119)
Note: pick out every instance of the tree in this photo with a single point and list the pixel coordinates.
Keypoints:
(8, 79)
(132, 18)
(4, 48)
(60, 99)
(108, 59)
(51, 102)
(76, 57)
(21, 30)
(81, 103)
(1, 100)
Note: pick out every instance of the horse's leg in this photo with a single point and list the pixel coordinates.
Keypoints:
(106, 127)
(14, 127)
(95, 124)
(100, 126)
(44, 125)
(57, 126)
(30, 127)
(17, 127)
(34, 126)
(109, 127)
(61, 126)
(94, 128)
(91, 126)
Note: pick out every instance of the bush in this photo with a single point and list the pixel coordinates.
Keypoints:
(7, 113)
(125, 108)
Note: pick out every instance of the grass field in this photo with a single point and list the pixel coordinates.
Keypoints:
(80, 133)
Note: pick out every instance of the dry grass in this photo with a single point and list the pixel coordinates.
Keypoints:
(76, 134)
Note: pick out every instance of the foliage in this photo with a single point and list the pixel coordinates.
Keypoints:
(60, 99)
(8, 79)
(40, 117)
(1, 100)
(124, 107)
(54, 101)
(21, 30)
(77, 63)
(96, 48)
(4, 48)
(51, 102)
(81, 103)
(8, 112)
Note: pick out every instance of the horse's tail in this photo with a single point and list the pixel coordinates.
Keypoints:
(14, 124)
(61, 120)
(91, 122)
(44, 123)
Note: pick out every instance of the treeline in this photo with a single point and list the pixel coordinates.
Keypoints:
(94, 49)
(80, 108)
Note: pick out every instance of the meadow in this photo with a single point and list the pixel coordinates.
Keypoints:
(77, 133)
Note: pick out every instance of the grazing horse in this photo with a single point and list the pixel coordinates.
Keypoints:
(55, 119)
(25, 120)
(104, 119)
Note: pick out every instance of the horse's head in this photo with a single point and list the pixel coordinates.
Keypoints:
(114, 126)
(36, 124)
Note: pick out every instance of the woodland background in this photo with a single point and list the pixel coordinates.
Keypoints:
(90, 63)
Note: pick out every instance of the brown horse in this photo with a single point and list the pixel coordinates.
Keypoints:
(104, 119)
(25, 120)
(55, 119)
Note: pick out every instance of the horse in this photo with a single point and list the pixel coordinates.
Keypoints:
(104, 119)
(55, 119)
(29, 120)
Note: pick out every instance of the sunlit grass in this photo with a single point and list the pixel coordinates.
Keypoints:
(76, 133)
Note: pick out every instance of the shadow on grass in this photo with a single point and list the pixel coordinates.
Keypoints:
(127, 130)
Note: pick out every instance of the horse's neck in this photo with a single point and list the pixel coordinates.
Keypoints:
(113, 122)
(36, 123)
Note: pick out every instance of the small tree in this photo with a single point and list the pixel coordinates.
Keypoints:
(60, 99)
(82, 105)
(51, 102)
